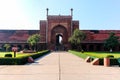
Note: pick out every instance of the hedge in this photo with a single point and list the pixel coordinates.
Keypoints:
(113, 61)
(21, 60)
(8, 55)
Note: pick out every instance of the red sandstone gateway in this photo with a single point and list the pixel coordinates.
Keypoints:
(56, 27)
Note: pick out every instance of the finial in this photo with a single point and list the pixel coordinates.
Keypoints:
(71, 11)
(47, 11)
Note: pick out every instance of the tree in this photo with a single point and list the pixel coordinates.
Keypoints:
(33, 40)
(7, 46)
(111, 42)
(76, 38)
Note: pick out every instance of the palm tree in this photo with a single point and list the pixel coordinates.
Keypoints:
(7, 46)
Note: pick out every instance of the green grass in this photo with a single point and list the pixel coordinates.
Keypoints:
(95, 54)
(79, 54)
(103, 54)
(2, 54)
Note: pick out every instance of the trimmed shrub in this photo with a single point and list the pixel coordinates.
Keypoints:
(21, 60)
(28, 51)
(92, 58)
(114, 61)
(109, 56)
(13, 61)
(101, 62)
(8, 55)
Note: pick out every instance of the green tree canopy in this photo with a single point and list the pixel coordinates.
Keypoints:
(34, 39)
(112, 41)
(77, 37)
(7, 46)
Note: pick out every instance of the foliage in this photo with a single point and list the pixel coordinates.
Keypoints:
(113, 61)
(112, 41)
(7, 46)
(22, 59)
(13, 61)
(2, 54)
(8, 55)
(109, 56)
(33, 40)
(77, 37)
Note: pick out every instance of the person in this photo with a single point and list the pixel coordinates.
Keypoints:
(110, 50)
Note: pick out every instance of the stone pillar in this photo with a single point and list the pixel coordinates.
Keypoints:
(71, 11)
(106, 62)
(47, 11)
(47, 26)
(71, 21)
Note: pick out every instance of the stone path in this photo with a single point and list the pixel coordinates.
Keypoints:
(59, 66)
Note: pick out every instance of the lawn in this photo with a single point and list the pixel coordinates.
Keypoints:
(102, 54)
(79, 54)
(2, 54)
(95, 54)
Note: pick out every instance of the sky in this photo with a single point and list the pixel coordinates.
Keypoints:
(92, 14)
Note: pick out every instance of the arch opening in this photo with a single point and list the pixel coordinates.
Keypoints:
(59, 38)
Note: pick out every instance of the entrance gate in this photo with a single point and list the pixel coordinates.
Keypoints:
(56, 30)
(59, 43)
(59, 37)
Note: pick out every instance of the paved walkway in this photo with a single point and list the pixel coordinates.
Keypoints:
(59, 66)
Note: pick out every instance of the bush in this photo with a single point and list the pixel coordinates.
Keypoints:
(114, 61)
(109, 56)
(13, 61)
(101, 62)
(8, 55)
(21, 60)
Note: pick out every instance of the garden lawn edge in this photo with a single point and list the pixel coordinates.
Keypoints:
(22, 60)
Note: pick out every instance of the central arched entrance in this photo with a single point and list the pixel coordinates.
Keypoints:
(59, 42)
(59, 37)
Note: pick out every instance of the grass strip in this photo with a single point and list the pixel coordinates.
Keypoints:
(79, 54)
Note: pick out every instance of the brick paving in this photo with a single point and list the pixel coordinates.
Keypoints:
(59, 66)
